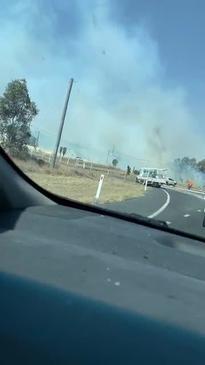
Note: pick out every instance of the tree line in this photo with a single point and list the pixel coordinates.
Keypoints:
(182, 164)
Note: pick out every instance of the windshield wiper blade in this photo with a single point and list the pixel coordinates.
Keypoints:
(148, 220)
(203, 224)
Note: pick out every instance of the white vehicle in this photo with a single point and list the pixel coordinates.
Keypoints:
(171, 181)
(152, 176)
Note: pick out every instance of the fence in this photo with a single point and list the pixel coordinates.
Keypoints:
(46, 157)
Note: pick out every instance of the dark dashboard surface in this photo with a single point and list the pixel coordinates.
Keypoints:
(130, 266)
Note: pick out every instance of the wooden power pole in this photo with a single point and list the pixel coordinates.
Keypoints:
(62, 122)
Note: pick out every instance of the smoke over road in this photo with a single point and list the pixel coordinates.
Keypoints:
(120, 96)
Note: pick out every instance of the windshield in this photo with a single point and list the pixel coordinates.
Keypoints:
(103, 102)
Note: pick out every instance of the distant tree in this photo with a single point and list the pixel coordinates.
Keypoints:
(201, 165)
(16, 114)
(186, 161)
(64, 151)
(33, 141)
(114, 162)
(128, 170)
(61, 150)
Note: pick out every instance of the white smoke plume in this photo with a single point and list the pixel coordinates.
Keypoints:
(119, 96)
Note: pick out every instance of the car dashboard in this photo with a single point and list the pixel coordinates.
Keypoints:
(81, 287)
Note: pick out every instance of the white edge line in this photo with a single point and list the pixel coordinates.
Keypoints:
(189, 191)
(163, 207)
(192, 193)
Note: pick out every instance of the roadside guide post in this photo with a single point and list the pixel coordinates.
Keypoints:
(99, 188)
(145, 185)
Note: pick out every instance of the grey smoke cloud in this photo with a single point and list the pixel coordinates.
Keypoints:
(119, 96)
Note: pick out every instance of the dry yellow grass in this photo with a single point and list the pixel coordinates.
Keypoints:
(81, 184)
(84, 189)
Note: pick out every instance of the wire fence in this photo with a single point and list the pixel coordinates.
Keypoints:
(84, 155)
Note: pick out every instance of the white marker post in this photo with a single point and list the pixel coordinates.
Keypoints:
(99, 188)
(145, 186)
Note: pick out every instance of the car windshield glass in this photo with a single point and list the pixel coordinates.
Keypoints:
(102, 101)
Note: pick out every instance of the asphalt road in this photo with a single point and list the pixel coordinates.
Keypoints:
(181, 210)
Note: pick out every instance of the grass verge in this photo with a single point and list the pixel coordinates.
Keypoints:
(81, 184)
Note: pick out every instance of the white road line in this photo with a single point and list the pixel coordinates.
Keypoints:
(186, 215)
(195, 193)
(163, 207)
(202, 192)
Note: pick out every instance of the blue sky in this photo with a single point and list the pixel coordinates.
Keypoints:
(138, 67)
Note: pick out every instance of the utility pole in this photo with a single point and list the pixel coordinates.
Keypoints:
(62, 122)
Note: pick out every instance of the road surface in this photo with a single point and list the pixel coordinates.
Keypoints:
(181, 210)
